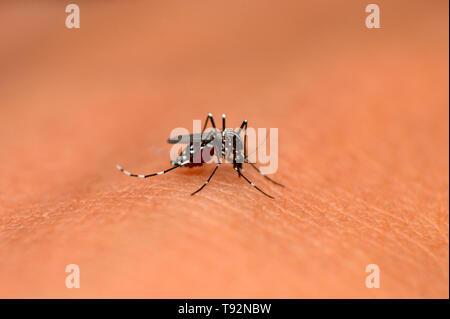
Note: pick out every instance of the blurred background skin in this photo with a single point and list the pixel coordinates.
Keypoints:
(363, 149)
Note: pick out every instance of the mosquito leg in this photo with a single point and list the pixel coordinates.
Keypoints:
(245, 141)
(251, 183)
(234, 155)
(264, 175)
(209, 118)
(207, 181)
(223, 122)
(244, 124)
(144, 176)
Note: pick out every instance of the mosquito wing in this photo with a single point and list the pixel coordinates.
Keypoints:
(188, 139)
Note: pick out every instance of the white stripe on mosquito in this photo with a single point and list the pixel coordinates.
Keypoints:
(141, 176)
(160, 173)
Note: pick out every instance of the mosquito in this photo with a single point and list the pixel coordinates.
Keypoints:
(225, 144)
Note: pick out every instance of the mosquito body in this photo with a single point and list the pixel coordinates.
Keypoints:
(226, 145)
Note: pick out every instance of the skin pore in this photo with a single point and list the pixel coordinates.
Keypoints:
(362, 117)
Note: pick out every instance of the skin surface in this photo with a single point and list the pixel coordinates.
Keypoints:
(363, 149)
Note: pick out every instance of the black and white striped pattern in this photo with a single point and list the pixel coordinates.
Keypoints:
(143, 176)
(264, 175)
(252, 184)
(207, 181)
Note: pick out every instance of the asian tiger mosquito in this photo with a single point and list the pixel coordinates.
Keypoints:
(225, 144)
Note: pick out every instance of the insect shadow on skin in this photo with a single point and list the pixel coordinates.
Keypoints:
(225, 144)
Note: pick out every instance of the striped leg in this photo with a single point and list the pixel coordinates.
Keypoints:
(244, 124)
(251, 183)
(207, 181)
(264, 175)
(197, 143)
(223, 122)
(234, 154)
(209, 118)
(144, 176)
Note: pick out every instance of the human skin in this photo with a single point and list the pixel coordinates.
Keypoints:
(363, 150)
